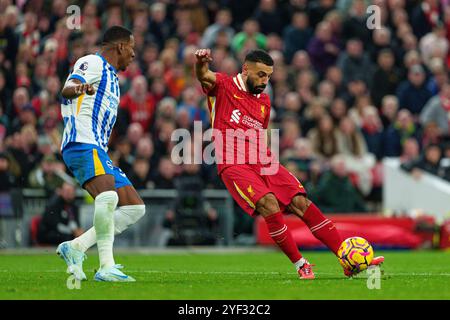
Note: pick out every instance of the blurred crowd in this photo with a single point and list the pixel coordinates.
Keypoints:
(344, 96)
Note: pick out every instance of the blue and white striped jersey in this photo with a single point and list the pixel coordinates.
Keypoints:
(90, 119)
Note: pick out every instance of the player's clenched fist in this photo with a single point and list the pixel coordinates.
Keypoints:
(203, 55)
(84, 88)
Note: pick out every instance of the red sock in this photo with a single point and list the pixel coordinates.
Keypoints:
(282, 236)
(322, 228)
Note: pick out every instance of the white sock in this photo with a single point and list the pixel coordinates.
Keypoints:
(300, 263)
(124, 216)
(105, 203)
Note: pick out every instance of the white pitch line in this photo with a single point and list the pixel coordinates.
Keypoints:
(241, 273)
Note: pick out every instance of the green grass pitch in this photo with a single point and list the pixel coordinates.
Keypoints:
(241, 275)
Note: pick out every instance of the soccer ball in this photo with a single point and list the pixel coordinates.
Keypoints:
(355, 254)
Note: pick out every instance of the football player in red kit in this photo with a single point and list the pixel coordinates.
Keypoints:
(238, 104)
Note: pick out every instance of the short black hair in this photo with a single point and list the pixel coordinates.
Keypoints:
(259, 56)
(116, 33)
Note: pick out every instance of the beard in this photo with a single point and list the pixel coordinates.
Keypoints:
(254, 89)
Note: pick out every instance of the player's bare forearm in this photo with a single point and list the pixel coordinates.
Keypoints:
(74, 88)
(206, 77)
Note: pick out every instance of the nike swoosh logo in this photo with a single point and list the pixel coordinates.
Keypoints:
(235, 96)
(123, 276)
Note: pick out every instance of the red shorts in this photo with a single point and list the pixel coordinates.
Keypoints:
(246, 185)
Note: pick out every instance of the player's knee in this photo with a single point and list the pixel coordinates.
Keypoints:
(267, 205)
(299, 204)
(127, 216)
(133, 213)
(138, 211)
(108, 199)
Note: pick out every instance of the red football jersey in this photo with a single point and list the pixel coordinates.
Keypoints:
(238, 118)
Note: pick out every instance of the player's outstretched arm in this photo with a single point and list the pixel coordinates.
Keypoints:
(206, 77)
(75, 88)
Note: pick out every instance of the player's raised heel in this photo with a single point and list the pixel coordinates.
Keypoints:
(377, 261)
(74, 259)
(306, 272)
(112, 274)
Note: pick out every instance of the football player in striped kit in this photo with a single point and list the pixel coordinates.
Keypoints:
(91, 96)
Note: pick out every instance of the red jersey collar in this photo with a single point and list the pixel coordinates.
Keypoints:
(239, 82)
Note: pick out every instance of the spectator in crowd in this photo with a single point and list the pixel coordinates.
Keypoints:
(356, 89)
(290, 131)
(292, 104)
(9, 45)
(7, 180)
(338, 110)
(5, 96)
(358, 160)
(160, 26)
(134, 133)
(20, 99)
(396, 134)
(139, 104)
(335, 192)
(145, 149)
(372, 130)
(386, 77)
(50, 175)
(355, 25)
(305, 85)
(388, 110)
(324, 138)
(434, 45)
(354, 62)
(60, 219)
(297, 35)
(318, 10)
(429, 161)
(437, 110)
(312, 115)
(425, 16)
(439, 75)
(356, 113)
(25, 116)
(412, 93)
(334, 75)
(410, 150)
(382, 40)
(28, 32)
(191, 102)
(123, 156)
(221, 24)
(303, 158)
(269, 17)
(327, 91)
(431, 134)
(324, 48)
(166, 174)
(300, 62)
(250, 32)
(139, 173)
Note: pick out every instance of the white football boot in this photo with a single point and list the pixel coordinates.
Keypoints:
(74, 259)
(113, 274)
